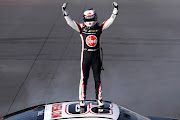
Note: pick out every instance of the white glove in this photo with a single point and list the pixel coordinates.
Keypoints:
(64, 6)
(115, 11)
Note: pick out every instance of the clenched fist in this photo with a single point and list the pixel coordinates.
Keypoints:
(64, 6)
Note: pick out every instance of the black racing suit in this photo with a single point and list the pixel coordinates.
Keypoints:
(91, 58)
(90, 55)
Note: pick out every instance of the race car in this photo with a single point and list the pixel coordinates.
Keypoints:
(72, 110)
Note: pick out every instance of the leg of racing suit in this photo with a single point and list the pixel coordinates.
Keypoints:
(96, 67)
(86, 64)
(91, 58)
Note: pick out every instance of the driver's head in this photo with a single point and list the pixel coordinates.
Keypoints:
(90, 17)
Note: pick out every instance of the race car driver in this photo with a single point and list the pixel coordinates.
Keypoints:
(90, 32)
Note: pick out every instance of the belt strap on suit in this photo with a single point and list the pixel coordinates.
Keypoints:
(86, 49)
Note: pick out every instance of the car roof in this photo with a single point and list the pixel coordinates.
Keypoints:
(72, 110)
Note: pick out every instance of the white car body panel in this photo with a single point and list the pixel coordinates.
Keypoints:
(64, 110)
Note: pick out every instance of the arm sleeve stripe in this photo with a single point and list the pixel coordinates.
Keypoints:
(79, 26)
(103, 24)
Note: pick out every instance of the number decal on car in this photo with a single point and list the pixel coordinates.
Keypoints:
(90, 108)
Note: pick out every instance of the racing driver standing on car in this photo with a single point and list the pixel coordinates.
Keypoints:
(90, 32)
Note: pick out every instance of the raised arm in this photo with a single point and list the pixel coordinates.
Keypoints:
(68, 19)
(108, 22)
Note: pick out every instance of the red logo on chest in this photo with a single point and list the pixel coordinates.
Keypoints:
(91, 40)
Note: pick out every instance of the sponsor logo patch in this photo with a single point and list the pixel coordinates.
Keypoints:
(89, 14)
(91, 40)
(93, 30)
